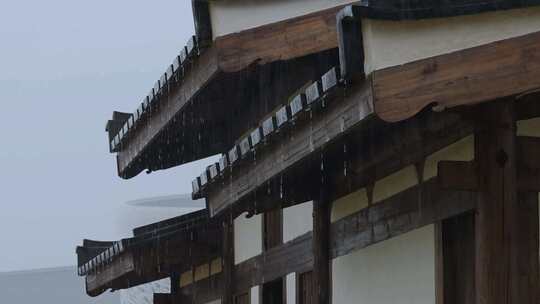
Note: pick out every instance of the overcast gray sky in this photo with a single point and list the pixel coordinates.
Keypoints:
(65, 65)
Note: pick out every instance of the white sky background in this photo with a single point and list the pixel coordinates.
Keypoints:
(65, 65)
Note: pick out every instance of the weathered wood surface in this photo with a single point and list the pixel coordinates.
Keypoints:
(283, 40)
(293, 256)
(321, 248)
(341, 117)
(203, 291)
(506, 263)
(228, 261)
(124, 264)
(151, 263)
(204, 69)
(414, 208)
(455, 260)
(411, 209)
(465, 77)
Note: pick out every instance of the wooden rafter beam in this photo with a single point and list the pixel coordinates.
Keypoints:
(484, 73)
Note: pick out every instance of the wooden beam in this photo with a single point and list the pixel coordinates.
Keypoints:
(398, 215)
(455, 263)
(293, 256)
(283, 40)
(98, 282)
(338, 119)
(228, 260)
(204, 69)
(505, 259)
(321, 248)
(463, 77)
(390, 218)
(203, 291)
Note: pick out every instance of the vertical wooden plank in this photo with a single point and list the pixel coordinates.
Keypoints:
(457, 260)
(503, 253)
(527, 286)
(273, 292)
(321, 249)
(304, 288)
(228, 259)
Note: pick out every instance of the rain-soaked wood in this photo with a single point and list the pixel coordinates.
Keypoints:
(390, 218)
(506, 263)
(338, 118)
(203, 291)
(96, 283)
(321, 247)
(369, 152)
(463, 77)
(228, 260)
(282, 40)
(153, 262)
(204, 69)
(455, 260)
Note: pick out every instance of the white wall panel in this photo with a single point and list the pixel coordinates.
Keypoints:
(247, 237)
(391, 43)
(291, 288)
(254, 295)
(297, 220)
(400, 270)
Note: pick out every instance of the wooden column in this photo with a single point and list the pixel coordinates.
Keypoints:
(455, 260)
(321, 249)
(228, 259)
(501, 218)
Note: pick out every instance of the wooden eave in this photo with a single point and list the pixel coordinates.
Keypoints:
(153, 253)
(508, 68)
(186, 124)
(161, 141)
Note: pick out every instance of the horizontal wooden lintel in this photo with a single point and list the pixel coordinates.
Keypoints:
(390, 218)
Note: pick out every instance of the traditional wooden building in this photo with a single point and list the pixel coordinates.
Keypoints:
(371, 152)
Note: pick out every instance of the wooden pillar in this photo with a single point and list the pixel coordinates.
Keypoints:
(527, 286)
(321, 249)
(500, 250)
(455, 260)
(228, 259)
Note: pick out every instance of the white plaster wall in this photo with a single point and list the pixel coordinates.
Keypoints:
(247, 237)
(400, 270)
(297, 220)
(290, 281)
(233, 16)
(254, 295)
(391, 43)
